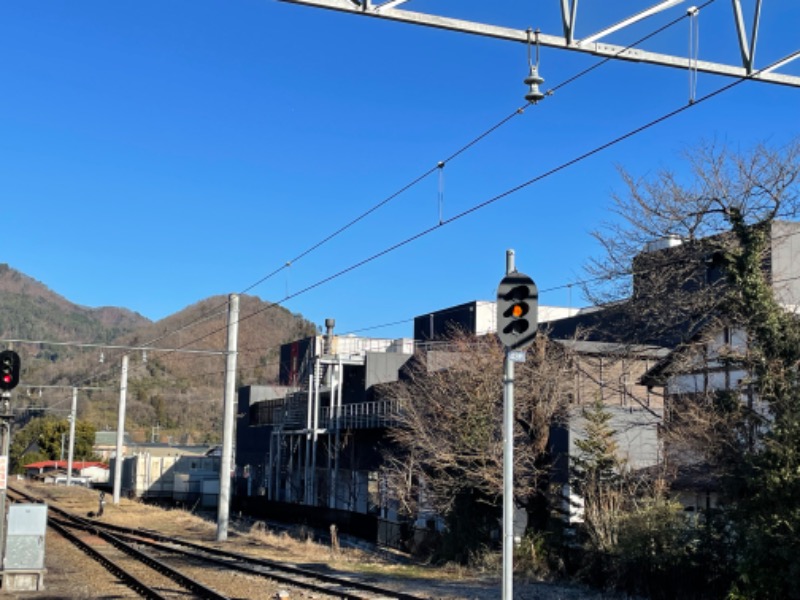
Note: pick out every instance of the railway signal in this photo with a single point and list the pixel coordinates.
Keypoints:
(9, 370)
(517, 311)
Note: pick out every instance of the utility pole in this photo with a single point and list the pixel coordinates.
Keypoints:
(73, 417)
(226, 461)
(119, 459)
(9, 379)
(73, 414)
(5, 431)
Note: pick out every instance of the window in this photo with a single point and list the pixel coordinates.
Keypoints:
(715, 267)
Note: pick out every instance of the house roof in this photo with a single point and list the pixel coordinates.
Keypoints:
(63, 464)
(109, 438)
(615, 349)
(624, 323)
(162, 449)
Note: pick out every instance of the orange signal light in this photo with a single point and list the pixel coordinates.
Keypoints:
(516, 311)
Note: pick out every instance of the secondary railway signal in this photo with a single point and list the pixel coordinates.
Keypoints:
(517, 311)
(9, 370)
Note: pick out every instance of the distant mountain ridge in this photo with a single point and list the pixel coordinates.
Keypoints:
(170, 390)
(30, 310)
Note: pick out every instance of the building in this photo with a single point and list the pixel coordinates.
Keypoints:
(55, 471)
(677, 307)
(105, 444)
(312, 441)
(181, 474)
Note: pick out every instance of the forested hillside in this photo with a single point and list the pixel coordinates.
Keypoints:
(170, 390)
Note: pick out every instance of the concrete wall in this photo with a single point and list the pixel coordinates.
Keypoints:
(382, 367)
(785, 264)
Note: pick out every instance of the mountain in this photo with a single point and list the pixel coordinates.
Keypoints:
(176, 365)
(29, 310)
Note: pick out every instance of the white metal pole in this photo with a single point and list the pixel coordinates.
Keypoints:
(307, 456)
(337, 423)
(277, 481)
(73, 415)
(5, 444)
(508, 463)
(118, 459)
(508, 479)
(223, 511)
(315, 434)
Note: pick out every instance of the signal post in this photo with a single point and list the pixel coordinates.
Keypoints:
(9, 378)
(517, 320)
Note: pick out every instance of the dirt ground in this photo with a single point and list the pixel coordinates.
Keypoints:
(72, 575)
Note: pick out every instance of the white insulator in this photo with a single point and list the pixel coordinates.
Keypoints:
(533, 80)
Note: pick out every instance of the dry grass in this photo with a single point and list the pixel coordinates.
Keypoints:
(451, 582)
(254, 539)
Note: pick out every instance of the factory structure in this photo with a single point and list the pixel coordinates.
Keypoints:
(309, 448)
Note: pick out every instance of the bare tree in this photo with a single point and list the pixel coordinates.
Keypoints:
(761, 185)
(720, 278)
(449, 440)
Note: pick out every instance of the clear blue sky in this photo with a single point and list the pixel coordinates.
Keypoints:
(156, 153)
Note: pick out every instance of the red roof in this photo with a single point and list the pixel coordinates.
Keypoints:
(63, 464)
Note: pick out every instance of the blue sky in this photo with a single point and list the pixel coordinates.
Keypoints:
(157, 153)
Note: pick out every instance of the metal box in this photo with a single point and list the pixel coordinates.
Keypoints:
(25, 535)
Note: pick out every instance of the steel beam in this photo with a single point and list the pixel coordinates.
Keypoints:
(748, 51)
(569, 15)
(630, 21)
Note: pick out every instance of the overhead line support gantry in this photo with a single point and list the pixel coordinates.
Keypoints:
(590, 44)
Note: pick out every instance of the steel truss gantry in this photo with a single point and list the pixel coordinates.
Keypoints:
(591, 44)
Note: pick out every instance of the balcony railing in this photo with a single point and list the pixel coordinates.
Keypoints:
(362, 415)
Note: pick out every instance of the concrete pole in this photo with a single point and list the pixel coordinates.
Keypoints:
(312, 500)
(337, 423)
(228, 420)
(277, 481)
(508, 463)
(5, 445)
(73, 415)
(307, 456)
(119, 459)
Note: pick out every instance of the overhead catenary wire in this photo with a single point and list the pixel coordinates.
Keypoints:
(442, 163)
(633, 45)
(488, 202)
(274, 348)
(421, 177)
(621, 273)
(567, 285)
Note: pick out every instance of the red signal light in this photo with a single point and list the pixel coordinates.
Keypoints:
(9, 370)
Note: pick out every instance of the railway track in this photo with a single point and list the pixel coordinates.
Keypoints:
(156, 566)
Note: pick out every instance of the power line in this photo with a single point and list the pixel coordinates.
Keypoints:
(498, 197)
(109, 347)
(460, 151)
(464, 213)
(423, 176)
(451, 157)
